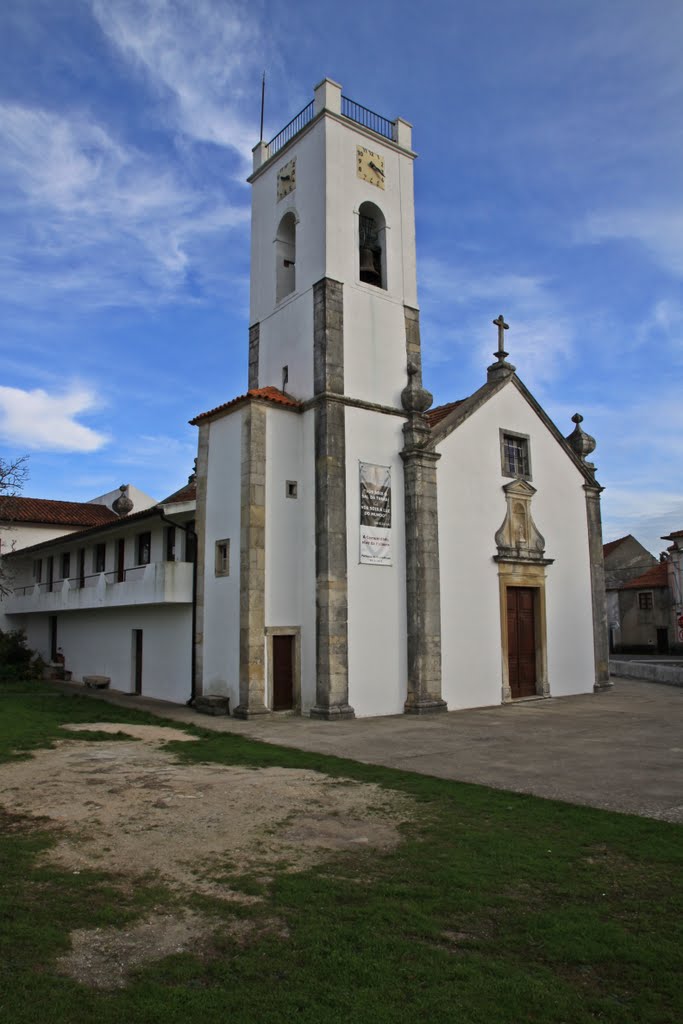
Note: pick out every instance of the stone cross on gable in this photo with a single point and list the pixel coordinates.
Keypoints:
(502, 327)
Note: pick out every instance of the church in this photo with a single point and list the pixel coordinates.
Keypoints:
(356, 552)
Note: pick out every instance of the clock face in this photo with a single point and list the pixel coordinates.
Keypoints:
(370, 166)
(286, 179)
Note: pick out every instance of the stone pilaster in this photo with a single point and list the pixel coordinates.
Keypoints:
(599, 597)
(254, 338)
(332, 674)
(423, 585)
(200, 555)
(413, 345)
(252, 563)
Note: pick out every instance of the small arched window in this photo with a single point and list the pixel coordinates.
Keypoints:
(285, 249)
(371, 245)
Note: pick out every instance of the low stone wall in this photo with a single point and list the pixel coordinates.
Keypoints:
(655, 671)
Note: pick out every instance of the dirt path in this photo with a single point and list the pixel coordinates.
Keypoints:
(127, 806)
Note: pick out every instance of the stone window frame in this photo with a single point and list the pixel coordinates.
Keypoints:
(649, 603)
(503, 434)
(222, 557)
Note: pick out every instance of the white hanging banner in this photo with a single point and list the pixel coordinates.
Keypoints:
(375, 514)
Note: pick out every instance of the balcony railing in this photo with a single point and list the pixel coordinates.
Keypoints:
(156, 583)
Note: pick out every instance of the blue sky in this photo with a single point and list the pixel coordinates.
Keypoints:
(549, 187)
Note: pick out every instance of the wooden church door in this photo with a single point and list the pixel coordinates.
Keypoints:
(521, 642)
(283, 672)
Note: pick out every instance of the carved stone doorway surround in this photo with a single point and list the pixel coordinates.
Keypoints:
(533, 577)
(522, 563)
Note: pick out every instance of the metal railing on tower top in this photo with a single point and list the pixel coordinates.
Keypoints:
(349, 108)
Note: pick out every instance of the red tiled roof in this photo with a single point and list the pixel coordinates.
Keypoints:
(54, 513)
(435, 416)
(270, 394)
(611, 545)
(654, 577)
(188, 492)
(676, 533)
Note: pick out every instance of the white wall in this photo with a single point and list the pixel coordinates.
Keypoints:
(290, 535)
(376, 593)
(100, 642)
(472, 507)
(222, 593)
(141, 501)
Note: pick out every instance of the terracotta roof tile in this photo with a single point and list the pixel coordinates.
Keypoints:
(654, 577)
(188, 492)
(435, 416)
(270, 394)
(56, 513)
(675, 533)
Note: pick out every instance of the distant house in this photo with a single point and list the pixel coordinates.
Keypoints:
(625, 559)
(643, 619)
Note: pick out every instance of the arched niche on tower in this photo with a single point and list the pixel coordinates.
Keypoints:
(372, 249)
(285, 256)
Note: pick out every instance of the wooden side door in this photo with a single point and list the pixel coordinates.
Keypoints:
(283, 672)
(521, 641)
(137, 660)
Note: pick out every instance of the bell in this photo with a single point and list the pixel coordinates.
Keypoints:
(368, 270)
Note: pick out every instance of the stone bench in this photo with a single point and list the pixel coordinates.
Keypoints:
(96, 682)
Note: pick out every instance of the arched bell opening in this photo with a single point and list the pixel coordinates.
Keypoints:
(371, 245)
(285, 255)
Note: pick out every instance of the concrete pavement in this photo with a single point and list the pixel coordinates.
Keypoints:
(620, 750)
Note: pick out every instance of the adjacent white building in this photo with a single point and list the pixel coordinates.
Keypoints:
(358, 553)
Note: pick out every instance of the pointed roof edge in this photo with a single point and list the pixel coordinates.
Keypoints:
(464, 409)
(612, 545)
(268, 394)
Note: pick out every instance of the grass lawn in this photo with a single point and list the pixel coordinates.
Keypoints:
(494, 908)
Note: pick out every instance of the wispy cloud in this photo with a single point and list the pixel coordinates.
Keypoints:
(458, 305)
(102, 221)
(48, 422)
(659, 230)
(200, 56)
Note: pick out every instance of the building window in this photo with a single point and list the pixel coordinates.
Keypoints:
(285, 249)
(38, 570)
(99, 558)
(291, 488)
(144, 548)
(645, 600)
(222, 558)
(66, 565)
(514, 453)
(81, 567)
(371, 245)
(170, 543)
(190, 542)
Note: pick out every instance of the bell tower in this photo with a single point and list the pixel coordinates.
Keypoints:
(334, 323)
(333, 199)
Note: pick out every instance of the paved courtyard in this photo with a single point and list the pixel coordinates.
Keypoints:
(621, 750)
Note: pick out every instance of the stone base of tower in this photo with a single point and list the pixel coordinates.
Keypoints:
(245, 711)
(332, 713)
(425, 706)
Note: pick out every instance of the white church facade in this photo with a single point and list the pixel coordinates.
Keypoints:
(358, 553)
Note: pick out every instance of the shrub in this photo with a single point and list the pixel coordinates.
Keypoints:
(15, 654)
